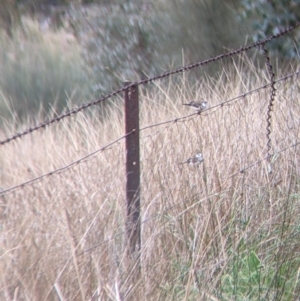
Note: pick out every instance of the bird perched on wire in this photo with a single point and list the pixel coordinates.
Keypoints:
(195, 161)
(199, 106)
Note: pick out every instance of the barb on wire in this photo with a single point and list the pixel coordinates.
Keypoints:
(60, 170)
(148, 80)
(272, 100)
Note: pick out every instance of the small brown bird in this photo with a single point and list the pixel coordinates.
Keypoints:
(195, 161)
(197, 105)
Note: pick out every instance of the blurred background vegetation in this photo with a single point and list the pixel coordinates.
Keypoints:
(59, 52)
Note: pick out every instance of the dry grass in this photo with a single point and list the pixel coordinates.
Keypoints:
(206, 235)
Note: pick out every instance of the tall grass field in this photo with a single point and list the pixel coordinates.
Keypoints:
(226, 230)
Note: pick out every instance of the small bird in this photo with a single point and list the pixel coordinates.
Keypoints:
(195, 161)
(197, 105)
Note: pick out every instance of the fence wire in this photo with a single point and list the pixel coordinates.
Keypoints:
(71, 220)
(146, 81)
(167, 124)
(66, 167)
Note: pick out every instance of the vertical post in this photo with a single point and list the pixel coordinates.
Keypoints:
(132, 168)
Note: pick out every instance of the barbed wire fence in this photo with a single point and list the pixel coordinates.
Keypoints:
(167, 122)
(169, 125)
(259, 44)
(151, 79)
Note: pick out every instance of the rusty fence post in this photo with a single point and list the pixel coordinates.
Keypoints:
(132, 144)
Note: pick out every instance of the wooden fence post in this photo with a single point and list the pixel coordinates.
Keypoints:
(132, 144)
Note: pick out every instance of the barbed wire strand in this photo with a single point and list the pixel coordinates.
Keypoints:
(148, 80)
(242, 171)
(241, 96)
(66, 167)
(179, 119)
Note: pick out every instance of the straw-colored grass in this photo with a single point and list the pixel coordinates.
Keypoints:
(208, 233)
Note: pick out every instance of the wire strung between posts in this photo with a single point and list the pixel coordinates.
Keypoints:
(148, 80)
(179, 119)
(151, 217)
(60, 170)
(241, 96)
